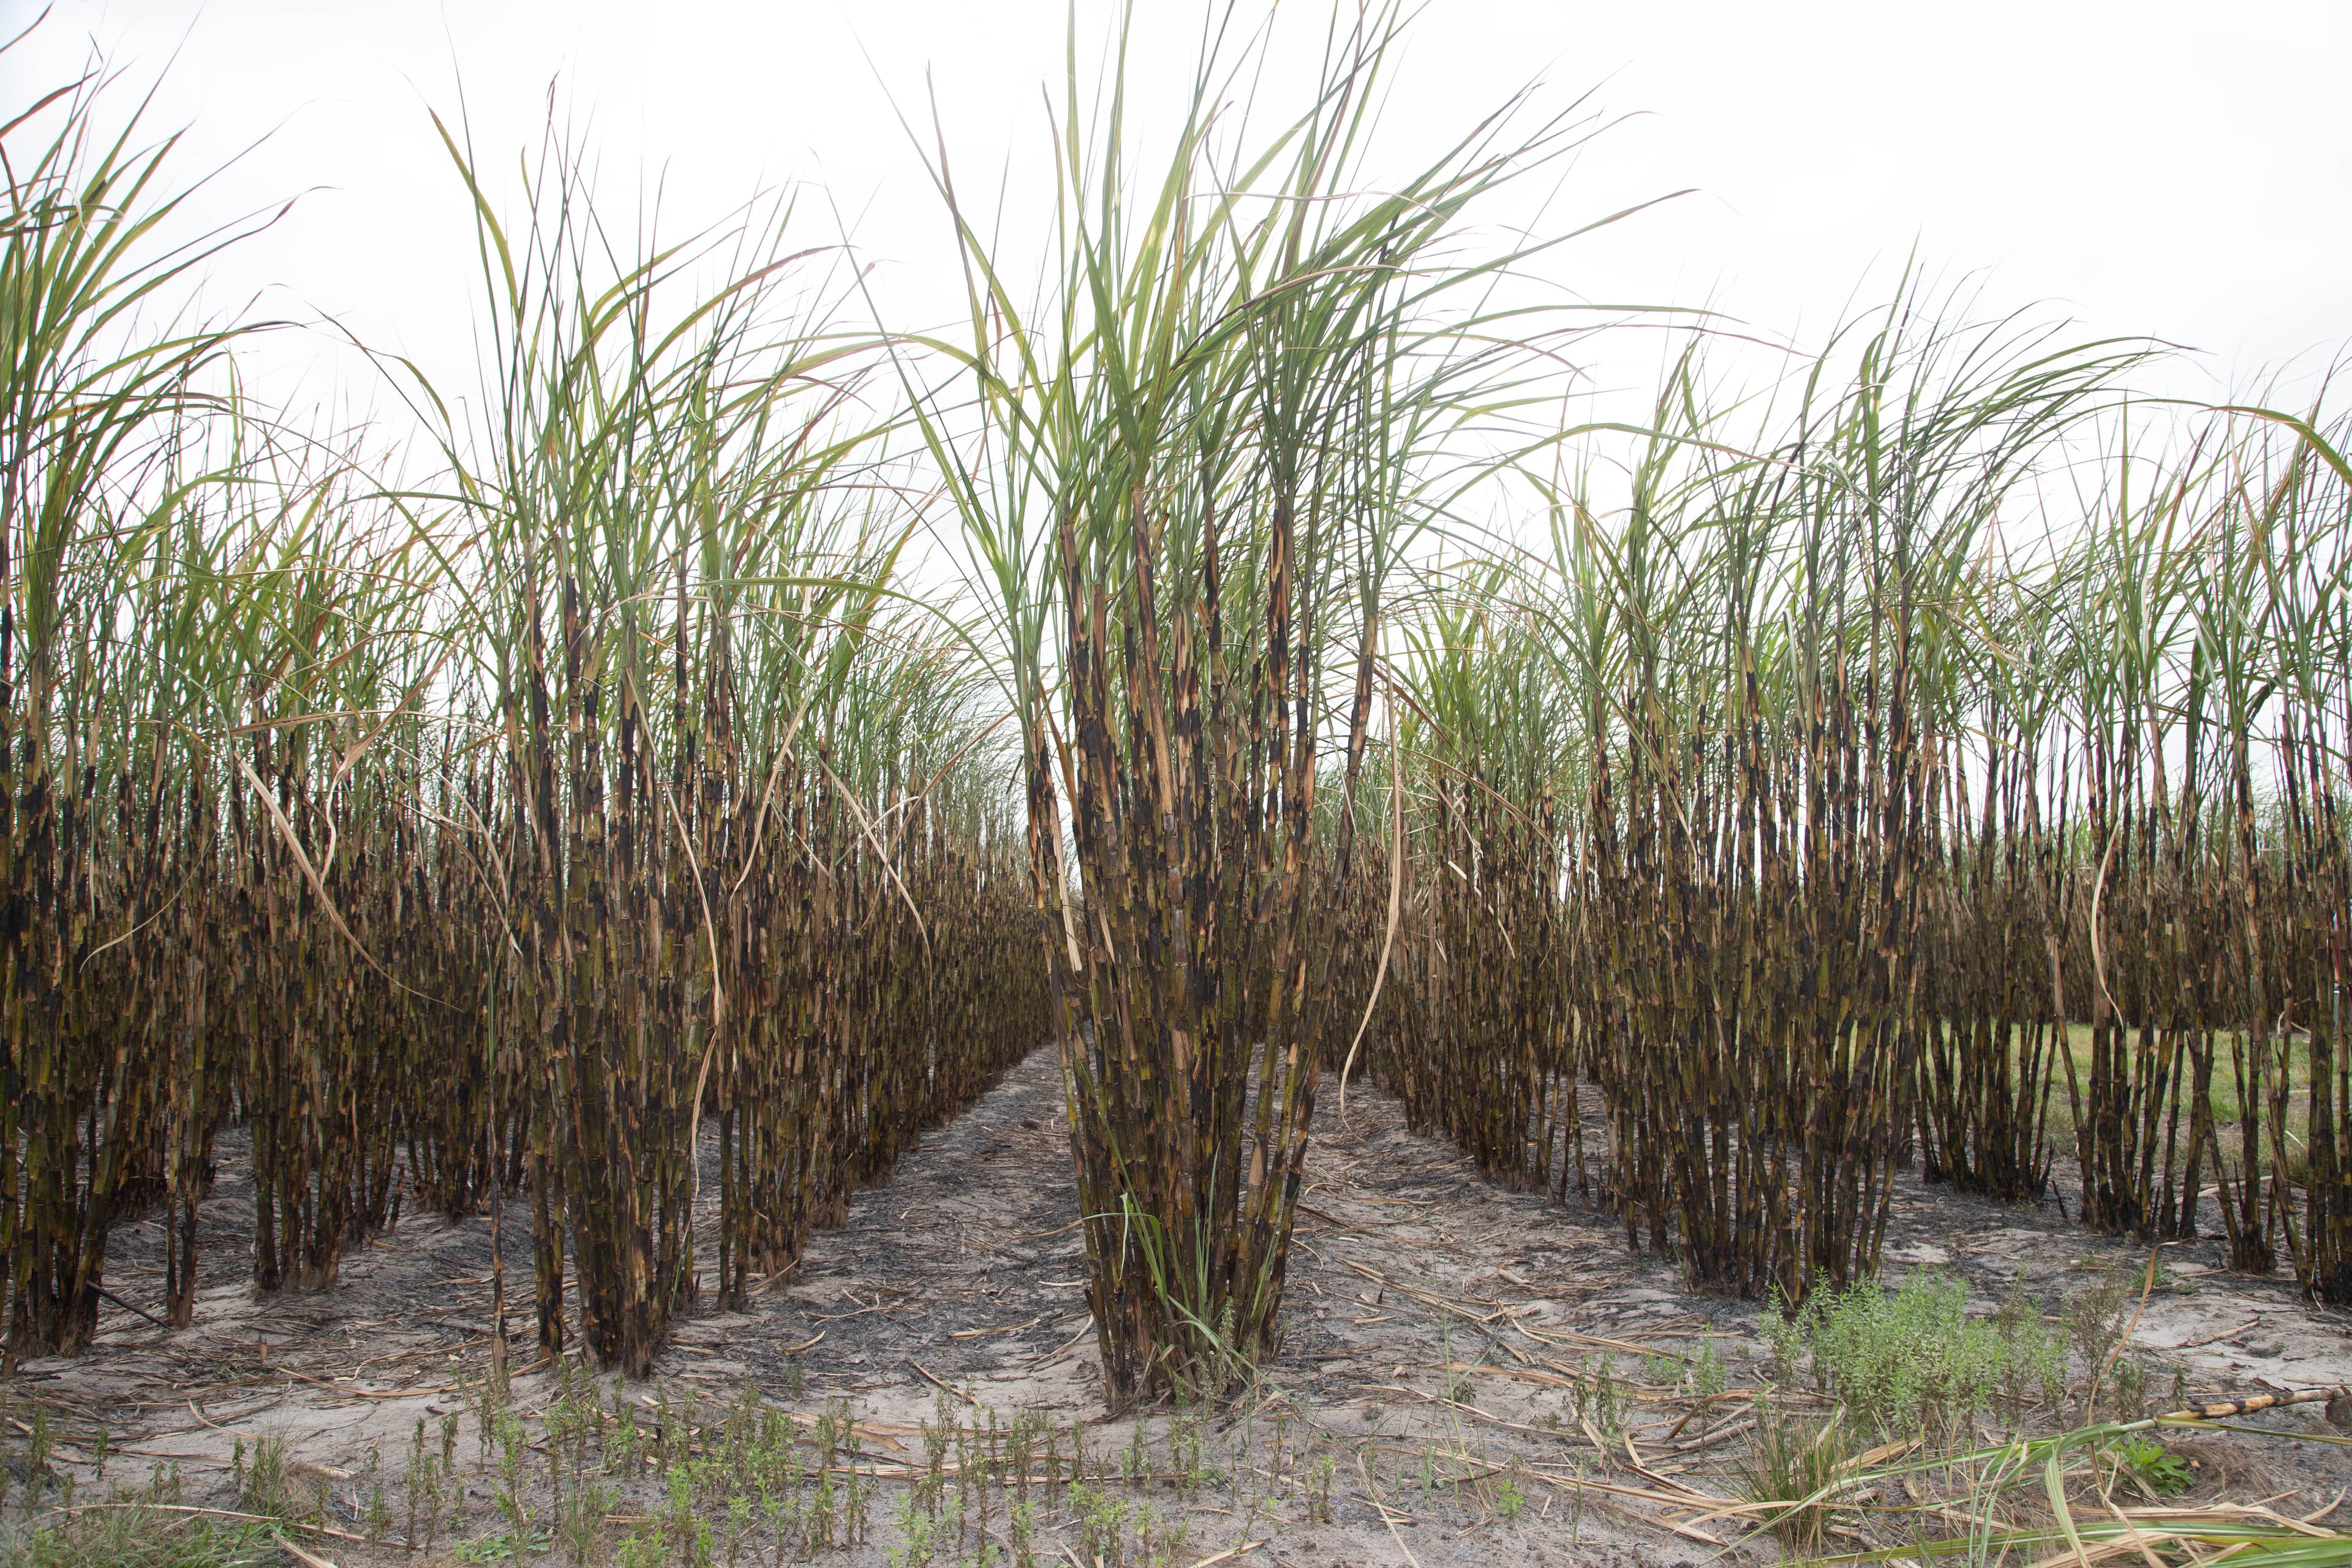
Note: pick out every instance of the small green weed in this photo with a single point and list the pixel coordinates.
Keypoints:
(2033, 1363)
(2160, 1469)
(261, 1480)
(2096, 1319)
(915, 1528)
(1707, 1374)
(501, 1547)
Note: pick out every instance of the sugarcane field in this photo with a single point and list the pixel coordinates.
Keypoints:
(1207, 829)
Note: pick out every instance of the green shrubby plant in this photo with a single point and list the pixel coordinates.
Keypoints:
(1899, 1362)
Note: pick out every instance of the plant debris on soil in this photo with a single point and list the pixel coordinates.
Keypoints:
(1468, 1375)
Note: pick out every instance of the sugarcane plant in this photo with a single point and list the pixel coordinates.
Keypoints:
(107, 374)
(708, 746)
(1185, 477)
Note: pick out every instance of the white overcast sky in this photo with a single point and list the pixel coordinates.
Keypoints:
(2183, 171)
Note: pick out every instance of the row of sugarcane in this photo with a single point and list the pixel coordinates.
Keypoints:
(589, 837)
(375, 1053)
(1861, 808)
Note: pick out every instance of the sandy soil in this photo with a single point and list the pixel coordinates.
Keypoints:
(1432, 1403)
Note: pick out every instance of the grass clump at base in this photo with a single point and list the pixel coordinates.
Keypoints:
(130, 1531)
(140, 1537)
(1794, 1461)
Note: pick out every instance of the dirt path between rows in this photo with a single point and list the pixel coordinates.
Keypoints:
(1436, 1401)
